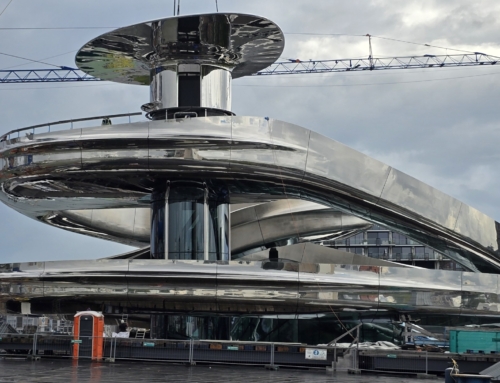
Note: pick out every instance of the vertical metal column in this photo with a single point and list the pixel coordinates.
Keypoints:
(190, 220)
(159, 224)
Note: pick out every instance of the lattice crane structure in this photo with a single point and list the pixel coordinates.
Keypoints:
(292, 66)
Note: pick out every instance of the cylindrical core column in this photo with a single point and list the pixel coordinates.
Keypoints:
(190, 85)
(190, 220)
(159, 224)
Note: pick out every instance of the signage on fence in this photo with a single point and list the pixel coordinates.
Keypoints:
(315, 353)
(234, 348)
(77, 341)
(148, 344)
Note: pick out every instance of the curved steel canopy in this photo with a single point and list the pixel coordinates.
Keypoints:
(243, 44)
(258, 159)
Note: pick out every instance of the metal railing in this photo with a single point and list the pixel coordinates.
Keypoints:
(348, 357)
(268, 354)
(355, 340)
(33, 128)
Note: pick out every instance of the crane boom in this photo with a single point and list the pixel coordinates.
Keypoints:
(295, 66)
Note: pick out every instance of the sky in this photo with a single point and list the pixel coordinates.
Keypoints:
(438, 125)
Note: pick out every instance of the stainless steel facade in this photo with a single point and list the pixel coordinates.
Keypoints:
(257, 160)
(286, 185)
(187, 61)
(243, 287)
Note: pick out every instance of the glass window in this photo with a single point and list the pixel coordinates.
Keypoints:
(378, 238)
(355, 239)
(372, 238)
(399, 239)
(185, 238)
(378, 252)
(404, 253)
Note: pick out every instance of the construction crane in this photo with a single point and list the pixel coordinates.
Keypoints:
(292, 66)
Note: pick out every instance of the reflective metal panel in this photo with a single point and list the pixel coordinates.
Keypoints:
(192, 146)
(21, 280)
(480, 292)
(244, 44)
(240, 287)
(172, 285)
(344, 167)
(257, 286)
(333, 286)
(258, 160)
(307, 252)
(165, 88)
(215, 88)
(477, 226)
(113, 147)
(420, 290)
(407, 193)
(89, 279)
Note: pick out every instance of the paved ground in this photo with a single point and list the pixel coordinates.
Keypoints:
(68, 371)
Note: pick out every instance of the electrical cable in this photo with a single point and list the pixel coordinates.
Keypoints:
(378, 37)
(24, 58)
(46, 58)
(366, 84)
(7, 6)
(50, 28)
(426, 45)
(322, 34)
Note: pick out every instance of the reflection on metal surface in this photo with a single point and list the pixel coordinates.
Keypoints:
(272, 224)
(253, 228)
(258, 160)
(188, 61)
(311, 253)
(243, 44)
(239, 287)
(191, 162)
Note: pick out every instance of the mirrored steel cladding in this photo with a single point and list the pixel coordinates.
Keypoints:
(243, 287)
(257, 159)
(242, 44)
(253, 228)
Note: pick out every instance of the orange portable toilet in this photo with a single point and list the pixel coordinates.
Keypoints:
(88, 335)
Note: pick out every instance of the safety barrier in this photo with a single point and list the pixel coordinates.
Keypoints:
(189, 351)
(58, 125)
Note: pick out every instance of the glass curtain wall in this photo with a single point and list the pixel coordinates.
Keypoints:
(190, 221)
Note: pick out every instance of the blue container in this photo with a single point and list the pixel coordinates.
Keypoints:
(474, 341)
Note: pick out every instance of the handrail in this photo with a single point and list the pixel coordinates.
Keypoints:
(2, 138)
(344, 334)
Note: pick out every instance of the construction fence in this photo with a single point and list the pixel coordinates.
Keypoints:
(180, 351)
(271, 355)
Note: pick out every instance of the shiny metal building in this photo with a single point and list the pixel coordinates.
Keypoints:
(205, 194)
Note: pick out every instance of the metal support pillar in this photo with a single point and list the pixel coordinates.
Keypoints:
(190, 220)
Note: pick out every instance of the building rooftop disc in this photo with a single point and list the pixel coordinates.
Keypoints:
(244, 44)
